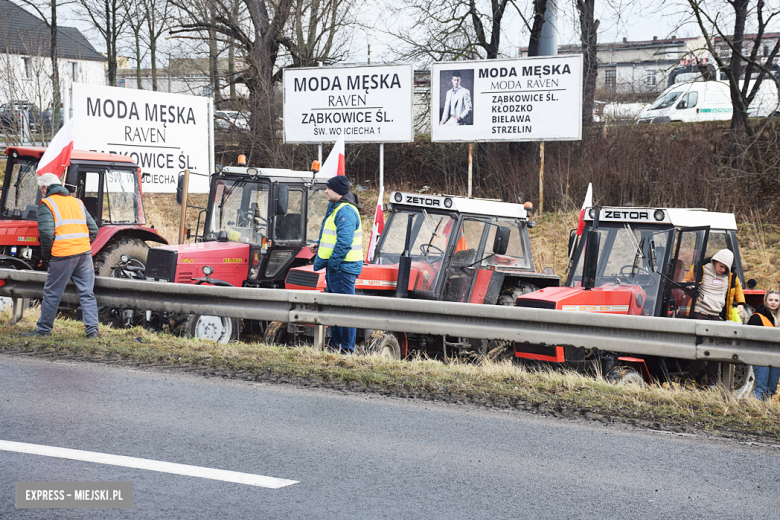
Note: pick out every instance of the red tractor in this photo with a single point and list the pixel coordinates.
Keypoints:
(110, 187)
(633, 261)
(437, 248)
(256, 226)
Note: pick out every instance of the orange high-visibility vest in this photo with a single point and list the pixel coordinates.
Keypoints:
(71, 233)
(765, 320)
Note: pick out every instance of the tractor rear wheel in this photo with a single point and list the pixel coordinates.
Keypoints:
(275, 333)
(385, 344)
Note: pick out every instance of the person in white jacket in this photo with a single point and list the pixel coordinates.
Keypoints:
(457, 105)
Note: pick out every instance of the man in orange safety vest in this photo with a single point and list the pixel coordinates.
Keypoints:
(65, 231)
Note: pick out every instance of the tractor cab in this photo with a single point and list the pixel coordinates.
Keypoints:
(446, 248)
(108, 185)
(256, 225)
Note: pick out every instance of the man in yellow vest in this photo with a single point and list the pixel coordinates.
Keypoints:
(65, 230)
(340, 251)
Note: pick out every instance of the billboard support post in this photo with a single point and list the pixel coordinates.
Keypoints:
(471, 145)
(541, 178)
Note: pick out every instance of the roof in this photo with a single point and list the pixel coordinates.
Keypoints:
(678, 217)
(76, 155)
(23, 33)
(276, 172)
(460, 204)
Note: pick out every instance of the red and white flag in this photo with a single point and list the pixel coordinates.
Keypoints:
(57, 155)
(334, 164)
(587, 203)
(378, 227)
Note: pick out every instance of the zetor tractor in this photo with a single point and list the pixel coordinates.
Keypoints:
(257, 225)
(633, 261)
(449, 249)
(108, 185)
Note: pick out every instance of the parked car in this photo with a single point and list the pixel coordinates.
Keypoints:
(12, 116)
(226, 120)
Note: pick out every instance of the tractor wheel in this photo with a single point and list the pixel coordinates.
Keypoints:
(744, 379)
(212, 328)
(510, 294)
(110, 256)
(500, 350)
(385, 344)
(275, 333)
(624, 376)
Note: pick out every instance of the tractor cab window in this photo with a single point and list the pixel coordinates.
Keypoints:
(240, 209)
(430, 234)
(289, 225)
(316, 208)
(22, 187)
(624, 258)
(119, 197)
(518, 253)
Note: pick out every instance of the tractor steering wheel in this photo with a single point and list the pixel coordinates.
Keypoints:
(429, 247)
(652, 279)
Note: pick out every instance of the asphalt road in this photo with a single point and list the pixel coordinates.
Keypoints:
(356, 456)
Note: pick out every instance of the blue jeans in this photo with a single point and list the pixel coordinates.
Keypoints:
(339, 282)
(766, 382)
(79, 269)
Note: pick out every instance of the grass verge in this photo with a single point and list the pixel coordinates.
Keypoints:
(502, 385)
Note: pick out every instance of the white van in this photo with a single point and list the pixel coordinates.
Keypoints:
(693, 101)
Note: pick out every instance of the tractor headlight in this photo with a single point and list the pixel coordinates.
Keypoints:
(208, 271)
(276, 262)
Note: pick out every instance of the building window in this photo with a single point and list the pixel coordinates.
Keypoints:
(27, 69)
(610, 78)
(766, 50)
(650, 78)
(74, 70)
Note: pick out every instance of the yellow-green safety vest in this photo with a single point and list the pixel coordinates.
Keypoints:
(330, 234)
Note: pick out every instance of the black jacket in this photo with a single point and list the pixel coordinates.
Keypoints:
(755, 320)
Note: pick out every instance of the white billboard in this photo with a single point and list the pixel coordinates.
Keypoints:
(531, 99)
(163, 133)
(370, 104)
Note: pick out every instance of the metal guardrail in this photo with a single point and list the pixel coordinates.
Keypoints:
(685, 339)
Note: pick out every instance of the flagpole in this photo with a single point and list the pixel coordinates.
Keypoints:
(381, 168)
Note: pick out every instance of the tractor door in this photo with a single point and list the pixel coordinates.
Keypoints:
(466, 257)
(21, 195)
(684, 271)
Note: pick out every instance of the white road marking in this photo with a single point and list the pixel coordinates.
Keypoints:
(147, 464)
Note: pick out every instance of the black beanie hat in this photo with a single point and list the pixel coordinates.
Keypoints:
(339, 184)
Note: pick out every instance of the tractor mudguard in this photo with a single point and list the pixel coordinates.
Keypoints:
(107, 233)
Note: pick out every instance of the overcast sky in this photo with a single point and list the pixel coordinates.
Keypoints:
(636, 22)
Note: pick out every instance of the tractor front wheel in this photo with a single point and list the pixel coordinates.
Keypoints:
(275, 333)
(385, 344)
(212, 328)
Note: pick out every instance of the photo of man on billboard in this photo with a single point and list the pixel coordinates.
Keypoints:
(455, 104)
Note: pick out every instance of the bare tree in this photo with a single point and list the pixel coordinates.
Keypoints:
(320, 32)
(156, 14)
(741, 64)
(589, 37)
(109, 18)
(136, 20)
(51, 22)
(457, 29)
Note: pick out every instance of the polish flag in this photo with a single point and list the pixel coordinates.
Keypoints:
(586, 204)
(378, 227)
(334, 164)
(57, 155)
